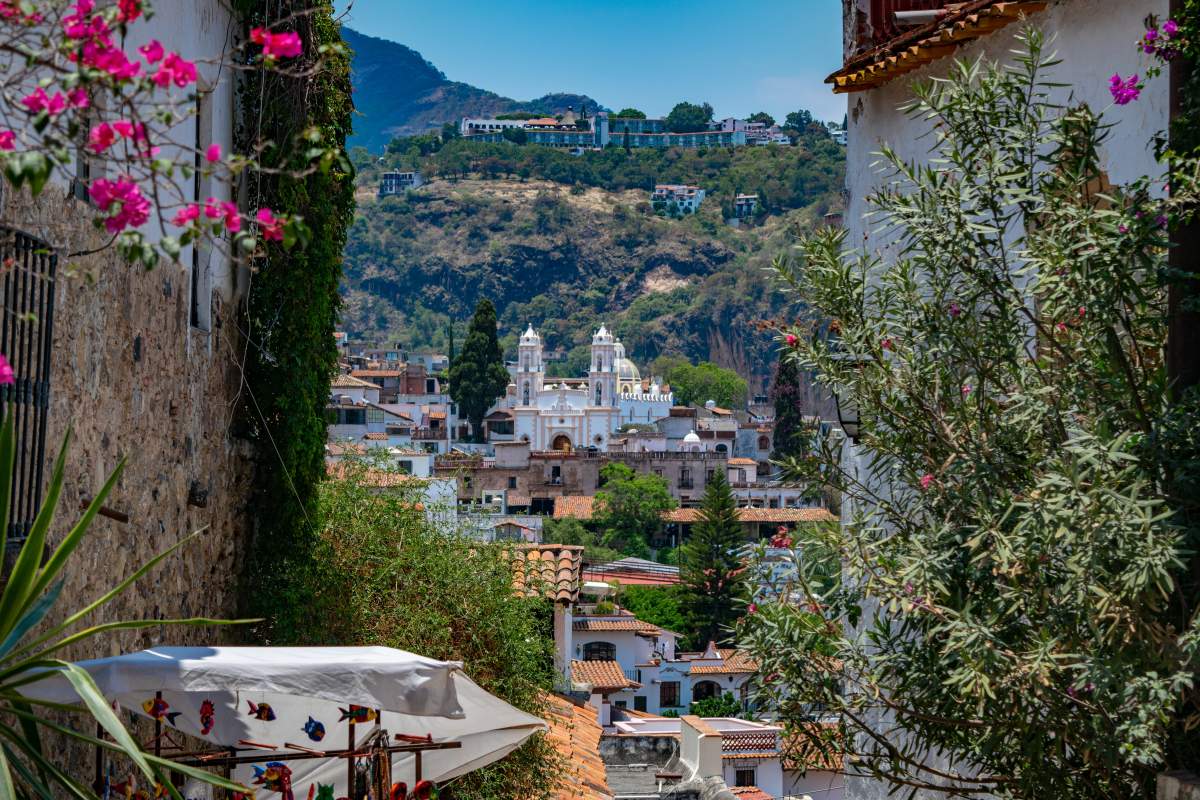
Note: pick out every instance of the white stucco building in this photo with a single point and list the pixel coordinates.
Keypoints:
(574, 413)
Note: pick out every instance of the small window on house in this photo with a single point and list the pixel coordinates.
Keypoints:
(668, 694)
(764, 443)
(620, 704)
(512, 482)
(639, 703)
(374, 414)
(744, 776)
(600, 651)
(406, 467)
(429, 388)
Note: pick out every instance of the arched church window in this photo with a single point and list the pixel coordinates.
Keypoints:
(599, 394)
(525, 394)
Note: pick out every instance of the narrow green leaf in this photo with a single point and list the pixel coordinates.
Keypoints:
(87, 690)
(136, 624)
(31, 618)
(7, 458)
(31, 780)
(7, 790)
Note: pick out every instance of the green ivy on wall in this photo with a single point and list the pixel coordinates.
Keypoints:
(293, 300)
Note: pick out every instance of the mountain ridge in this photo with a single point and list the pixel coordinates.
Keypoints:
(417, 97)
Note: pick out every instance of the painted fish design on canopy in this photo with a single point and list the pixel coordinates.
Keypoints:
(261, 711)
(156, 707)
(208, 717)
(314, 729)
(358, 714)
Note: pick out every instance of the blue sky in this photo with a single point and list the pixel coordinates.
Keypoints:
(742, 57)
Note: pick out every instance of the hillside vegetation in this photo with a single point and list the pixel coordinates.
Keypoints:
(532, 229)
(398, 92)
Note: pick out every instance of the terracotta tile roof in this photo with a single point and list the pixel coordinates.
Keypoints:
(816, 748)
(350, 382)
(377, 373)
(737, 661)
(742, 462)
(631, 624)
(372, 477)
(547, 570)
(750, 742)
(578, 506)
(437, 414)
(732, 756)
(345, 449)
(517, 499)
(376, 437)
(913, 49)
(601, 675)
(785, 515)
(575, 735)
(749, 793)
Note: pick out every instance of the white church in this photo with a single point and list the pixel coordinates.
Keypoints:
(576, 413)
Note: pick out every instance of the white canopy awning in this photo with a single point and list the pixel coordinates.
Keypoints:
(303, 695)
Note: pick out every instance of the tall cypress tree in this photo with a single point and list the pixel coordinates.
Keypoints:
(709, 563)
(477, 375)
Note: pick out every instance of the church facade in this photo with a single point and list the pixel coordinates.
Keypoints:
(578, 413)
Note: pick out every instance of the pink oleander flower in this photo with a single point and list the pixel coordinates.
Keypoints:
(39, 101)
(123, 201)
(1124, 90)
(152, 51)
(233, 221)
(926, 481)
(129, 10)
(277, 45)
(886, 344)
(1082, 311)
(101, 137)
(6, 372)
(1061, 327)
(955, 310)
(187, 215)
(750, 609)
(175, 69)
(8, 140)
(791, 339)
(966, 389)
(213, 153)
(1122, 228)
(269, 225)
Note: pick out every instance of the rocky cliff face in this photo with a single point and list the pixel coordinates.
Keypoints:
(564, 260)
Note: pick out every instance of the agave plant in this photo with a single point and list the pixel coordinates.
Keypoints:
(31, 592)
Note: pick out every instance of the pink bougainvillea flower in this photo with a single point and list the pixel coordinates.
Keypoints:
(8, 140)
(187, 215)
(233, 221)
(102, 54)
(955, 310)
(1124, 90)
(212, 208)
(277, 45)
(38, 101)
(213, 153)
(269, 225)
(926, 480)
(79, 98)
(175, 69)
(791, 339)
(101, 137)
(152, 51)
(6, 372)
(123, 201)
(129, 10)
(1170, 28)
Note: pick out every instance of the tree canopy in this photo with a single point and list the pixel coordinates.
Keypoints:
(688, 117)
(706, 381)
(478, 375)
(798, 120)
(629, 508)
(710, 566)
(763, 117)
(630, 113)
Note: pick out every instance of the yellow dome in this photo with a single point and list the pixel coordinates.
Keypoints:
(628, 376)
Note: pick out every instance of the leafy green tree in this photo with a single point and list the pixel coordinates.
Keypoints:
(763, 117)
(689, 117)
(629, 508)
(478, 375)
(572, 531)
(658, 605)
(515, 135)
(710, 566)
(706, 381)
(1015, 594)
(798, 120)
(450, 131)
(724, 706)
(630, 113)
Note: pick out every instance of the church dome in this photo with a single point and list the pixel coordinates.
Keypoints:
(627, 372)
(691, 438)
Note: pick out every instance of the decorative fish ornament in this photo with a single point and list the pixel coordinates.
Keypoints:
(358, 714)
(324, 792)
(262, 711)
(425, 790)
(156, 707)
(399, 791)
(208, 717)
(314, 729)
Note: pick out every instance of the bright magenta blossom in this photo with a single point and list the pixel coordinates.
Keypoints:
(233, 222)
(277, 45)
(213, 153)
(6, 371)
(128, 207)
(129, 10)
(101, 137)
(269, 226)
(187, 215)
(7, 140)
(39, 101)
(926, 480)
(153, 51)
(1124, 90)
(791, 339)
(175, 69)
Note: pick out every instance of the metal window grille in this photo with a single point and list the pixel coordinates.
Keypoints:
(27, 267)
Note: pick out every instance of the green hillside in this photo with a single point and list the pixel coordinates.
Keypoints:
(567, 241)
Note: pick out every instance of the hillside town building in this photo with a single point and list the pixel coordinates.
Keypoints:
(676, 199)
(391, 183)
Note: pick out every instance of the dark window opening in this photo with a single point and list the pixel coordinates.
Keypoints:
(599, 651)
